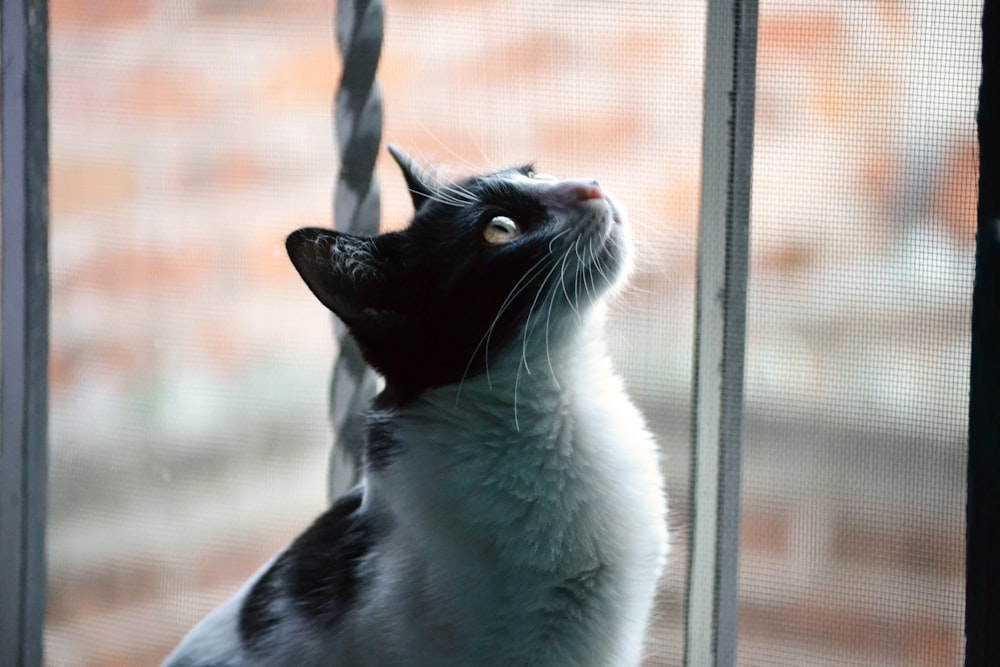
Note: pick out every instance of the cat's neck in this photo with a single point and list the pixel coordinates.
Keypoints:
(527, 390)
(484, 454)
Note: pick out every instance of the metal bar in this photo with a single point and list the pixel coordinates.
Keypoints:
(982, 590)
(358, 127)
(24, 330)
(717, 403)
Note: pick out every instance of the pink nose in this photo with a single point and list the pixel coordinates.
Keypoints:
(591, 191)
(578, 190)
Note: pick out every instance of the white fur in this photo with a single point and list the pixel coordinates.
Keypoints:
(517, 512)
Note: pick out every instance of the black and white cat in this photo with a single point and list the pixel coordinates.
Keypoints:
(512, 508)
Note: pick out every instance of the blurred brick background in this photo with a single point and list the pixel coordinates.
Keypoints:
(189, 365)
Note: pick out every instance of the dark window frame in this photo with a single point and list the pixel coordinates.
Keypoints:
(24, 334)
(982, 587)
(717, 405)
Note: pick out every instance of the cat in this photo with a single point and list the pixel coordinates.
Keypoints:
(512, 509)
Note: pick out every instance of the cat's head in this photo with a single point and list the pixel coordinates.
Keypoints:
(487, 263)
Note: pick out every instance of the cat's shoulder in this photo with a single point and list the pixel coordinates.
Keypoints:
(316, 578)
(304, 592)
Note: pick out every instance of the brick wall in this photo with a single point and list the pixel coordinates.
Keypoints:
(189, 365)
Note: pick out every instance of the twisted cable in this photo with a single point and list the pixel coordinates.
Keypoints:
(358, 128)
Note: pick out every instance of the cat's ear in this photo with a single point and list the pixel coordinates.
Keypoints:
(343, 271)
(418, 181)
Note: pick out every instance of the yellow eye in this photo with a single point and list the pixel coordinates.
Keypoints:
(501, 230)
(544, 177)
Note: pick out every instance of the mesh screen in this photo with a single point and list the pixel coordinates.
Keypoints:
(189, 369)
(862, 230)
(190, 366)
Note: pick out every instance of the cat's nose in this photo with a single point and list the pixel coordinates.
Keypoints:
(578, 190)
(591, 190)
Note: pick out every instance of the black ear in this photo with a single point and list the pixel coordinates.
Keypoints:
(343, 271)
(417, 180)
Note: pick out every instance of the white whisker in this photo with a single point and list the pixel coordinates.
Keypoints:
(515, 291)
(562, 282)
(528, 327)
(518, 287)
(548, 324)
(528, 324)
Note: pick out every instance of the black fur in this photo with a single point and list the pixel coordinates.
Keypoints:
(382, 446)
(258, 615)
(318, 573)
(321, 569)
(421, 302)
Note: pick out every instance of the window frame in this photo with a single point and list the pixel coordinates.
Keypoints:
(24, 334)
(982, 562)
(717, 407)
(720, 330)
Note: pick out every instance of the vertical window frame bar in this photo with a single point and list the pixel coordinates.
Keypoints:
(720, 324)
(982, 601)
(24, 330)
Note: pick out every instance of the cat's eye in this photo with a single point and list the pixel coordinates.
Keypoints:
(501, 229)
(543, 177)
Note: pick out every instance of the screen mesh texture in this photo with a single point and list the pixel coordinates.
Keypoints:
(190, 366)
(862, 230)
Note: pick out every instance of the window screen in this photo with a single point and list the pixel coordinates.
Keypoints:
(862, 240)
(190, 367)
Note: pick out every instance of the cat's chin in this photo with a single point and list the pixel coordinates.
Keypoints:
(618, 217)
(619, 246)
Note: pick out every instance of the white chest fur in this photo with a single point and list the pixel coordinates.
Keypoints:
(535, 541)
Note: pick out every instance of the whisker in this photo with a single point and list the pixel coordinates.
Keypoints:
(562, 282)
(589, 272)
(578, 276)
(513, 294)
(447, 196)
(479, 148)
(457, 157)
(518, 287)
(460, 193)
(599, 267)
(528, 326)
(548, 325)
